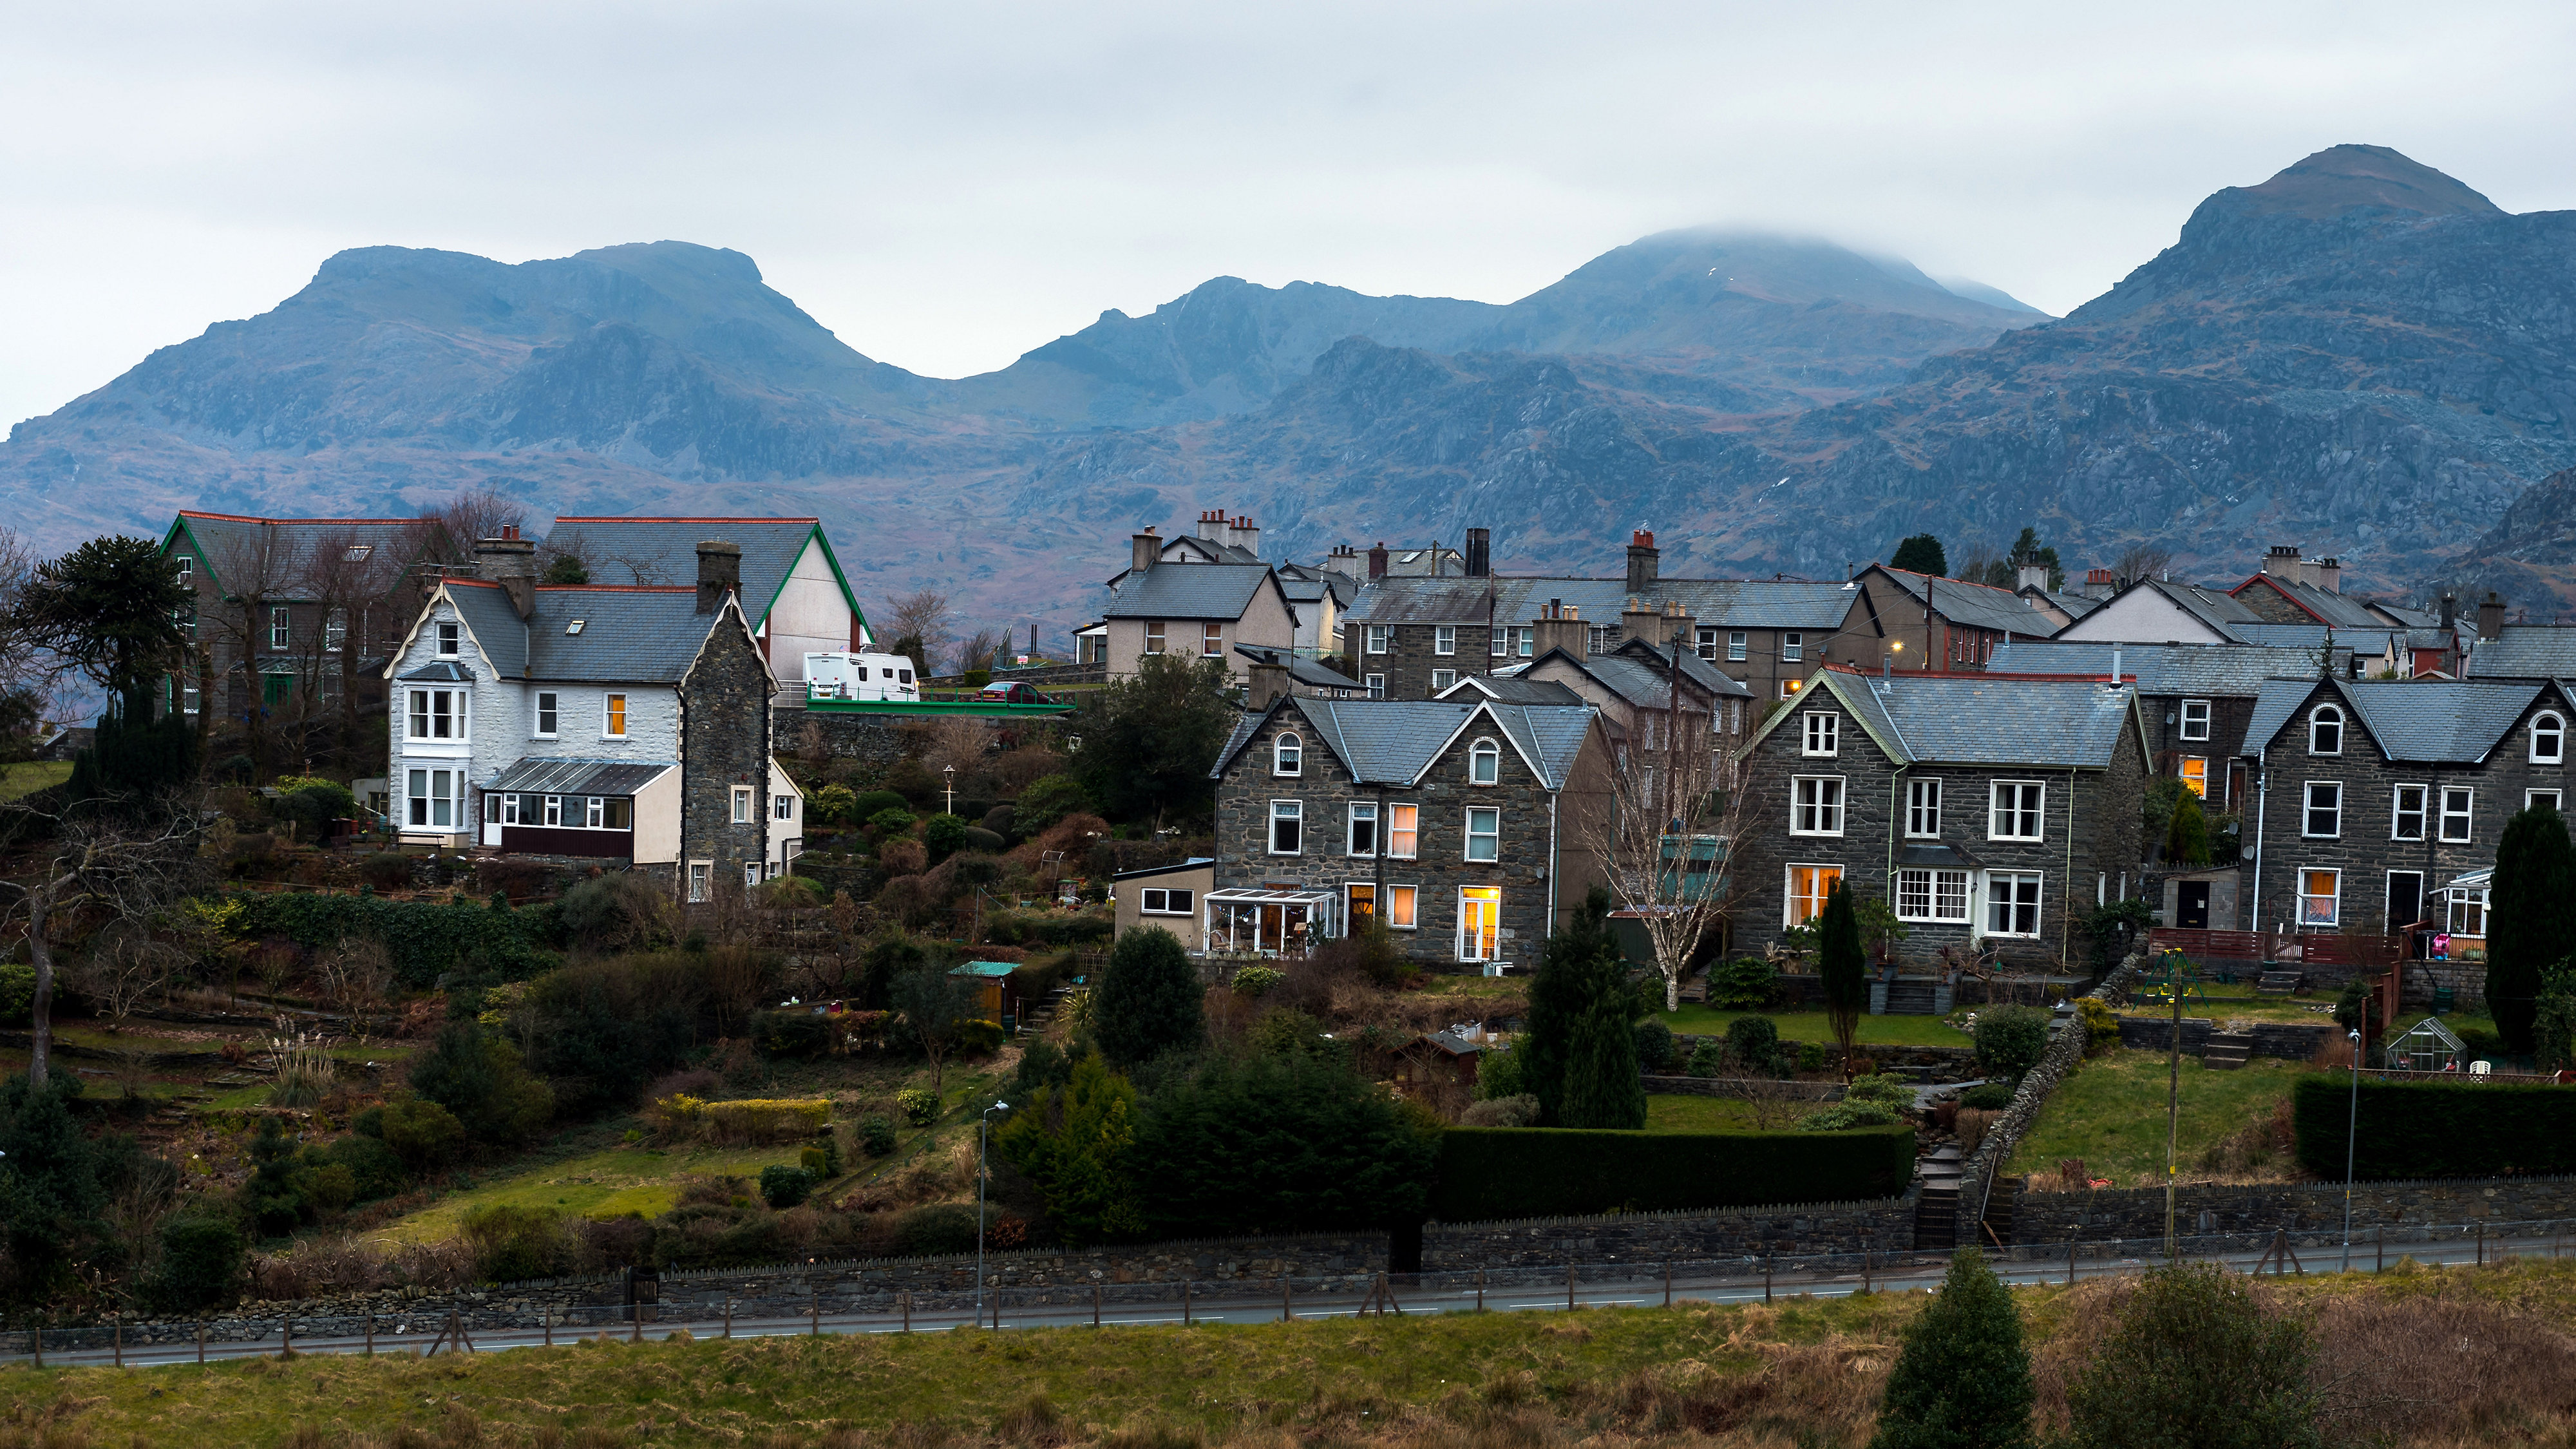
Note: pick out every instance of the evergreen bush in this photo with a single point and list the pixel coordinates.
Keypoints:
(1747, 983)
(1148, 1001)
(2010, 1039)
(2531, 918)
(2197, 1361)
(783, 1187)
(1963, 1379)
(201, 1264)
(1654, 1045)
(1753, 1043)
(1491, 1173)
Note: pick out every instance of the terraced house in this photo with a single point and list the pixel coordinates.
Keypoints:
(1465, 825)
(2380, 802)
(1986, 811)
(623, 724)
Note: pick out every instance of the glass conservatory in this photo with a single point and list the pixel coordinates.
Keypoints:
(1252, 922)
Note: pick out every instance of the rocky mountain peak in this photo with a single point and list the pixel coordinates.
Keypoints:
(2343, 179)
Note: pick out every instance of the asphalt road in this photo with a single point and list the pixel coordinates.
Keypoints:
(1238, 1308)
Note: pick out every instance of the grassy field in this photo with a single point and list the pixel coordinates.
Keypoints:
(1807, 1026)
(1698, 1114)
(2111, 1113)
(34, 775)
(603, 1184)
(1805, 1372)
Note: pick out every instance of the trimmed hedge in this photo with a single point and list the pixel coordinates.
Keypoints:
(426, 940)
(1489, 1173)
(2436, 1129)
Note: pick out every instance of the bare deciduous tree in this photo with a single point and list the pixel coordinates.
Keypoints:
(480, 513)
(123, 966)
(2141, 561)
(924, 614)
(124, 865)
(982, 650)
(355, 974)
(1665, 842)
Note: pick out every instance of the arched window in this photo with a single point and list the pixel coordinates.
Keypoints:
(1484, 763)
(2548, 739)
(1287, 755)
(2325, 731)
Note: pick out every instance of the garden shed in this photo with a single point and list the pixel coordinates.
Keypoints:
(2427, 1046)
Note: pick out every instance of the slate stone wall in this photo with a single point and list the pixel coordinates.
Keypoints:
(2046, 1217)
(724, 743)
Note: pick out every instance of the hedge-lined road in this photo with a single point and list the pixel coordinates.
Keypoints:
(1235, 1307)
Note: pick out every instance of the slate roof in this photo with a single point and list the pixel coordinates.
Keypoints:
(2329, 607)
(1175, 868)
(1979, 606)
(579, 777)
(665, 551)
(2300, 636)
(1187, 591)
(1975, 719)
(1393, 741)
(1309, 672)
(2215, 670)
(1512, 689)
(2431, 721)
(284, 547)
(2073, 605)
(2527, 651)
(1722, 603)
(1699, 671)
(629, 634)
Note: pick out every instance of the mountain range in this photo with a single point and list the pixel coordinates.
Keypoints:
(2361, 355)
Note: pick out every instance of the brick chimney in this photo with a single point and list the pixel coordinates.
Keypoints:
(719, 573)
(2491, 616)
(2330, 575)
(511, 562)
(1677, 621)
(1480, 553)
(1559, 626)
(2100, 583)
(1212, 524)
(1377, 561)
(2282, 562)
(2450, 610)
(1642, 559)
(1143, 549)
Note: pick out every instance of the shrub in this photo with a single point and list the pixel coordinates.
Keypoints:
(1708, 1059)
(2435, 1129)
(833, 803)
(1811, 1056)
(1753, 1043)
(870, 802)
(783, 1187)
(2197, 1361)
(1498, 1074)
(1148, 1000)
(940, 1227)
(201, 1262)
(1489, 1173)
(988, 841)
(1520, 1111)
(386, 870)
(751, 1120)
(482, 1082)
(1251, 982)
(1211, 1148)
(892, 820)
(793, 1032)
(512, 1243)
(1602, 1085)
(1580, 976)
(1987, 1097)
(1073, 1142)
(1654, 1045)
(1047, 801)
(314, 804)
(943, 836)
(425, 1135)
(2101, 1025)
(919, 1108)
(976, 1037)
(2010, 1039)
(375, 1169)
(617, 911)
(1963, 1378)
(1746, 983)
(876, 1137)
(17, 992)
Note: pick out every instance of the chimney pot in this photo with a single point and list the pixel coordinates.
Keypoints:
(1643, 561)
(719, 573)
(1377, 561)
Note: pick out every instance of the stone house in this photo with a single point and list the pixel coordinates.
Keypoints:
(1197, 610)
(1921, 622)
(793, 591)
(1414, 637)
(295, 613)
(2374, 797)
(608, 723)
(1464, 824)
(1632, 686)
(1988, 812)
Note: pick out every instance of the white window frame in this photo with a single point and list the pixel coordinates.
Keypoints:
(1211, 640)
(1444, 640)
(1789, 688)
(549, 721)
(2309, 809)
(335, 630)
(1287, 755)
(1399, 811)
(1818, 800)
(1490, 817)
(1999, 813)
(1704, 641)
(1160, 901)
(2195, 781)
(2549, 724)
(2189, 721)
(2333, 916)
(782, 807)
(427, 805)
(1485, 763)
(1921, 895)
(2318, 719)
(281, 627)
(702, 880)
(1735, 644)
(554, 812)
(1361, 812)
(1380, 638)
(1789, 897)
(187, 569)
(1294, 816)
(1156, 636)
(451, 638)
(1442, 680)
(1485, 895)
(1923, 807)
(1793, 648)
(1411, 895)
(1822, 734)
(742, 805)
(615, 709)
(2014, 904)
(2397, 811)
(2467, 815)
(2557, 799)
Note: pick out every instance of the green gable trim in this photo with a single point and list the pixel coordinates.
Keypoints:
(833, 561)
(197, 550)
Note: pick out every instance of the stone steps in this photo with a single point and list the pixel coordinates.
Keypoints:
(2228, 1050)
(1909, 998)
(2278, 983)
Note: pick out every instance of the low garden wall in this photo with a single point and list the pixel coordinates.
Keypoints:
(2065, 1049)
(2139, 1212)
(2290, 1041)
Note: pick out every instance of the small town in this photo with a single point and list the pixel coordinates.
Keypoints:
(1754, 845)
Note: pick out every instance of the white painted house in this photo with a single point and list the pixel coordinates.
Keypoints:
(793, 590)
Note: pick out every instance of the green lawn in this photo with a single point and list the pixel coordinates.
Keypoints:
(2111, 1113)
(34, 775)
(602, 1184)
(1810, 1026)
(1699, 1114)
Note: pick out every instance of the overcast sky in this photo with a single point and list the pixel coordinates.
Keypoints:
(947, 185)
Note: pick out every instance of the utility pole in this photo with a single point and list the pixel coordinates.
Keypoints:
(2351, 1134)
(2173, 1098)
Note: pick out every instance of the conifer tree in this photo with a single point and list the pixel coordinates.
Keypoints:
(2530, 919)
(1577, 965)
(1921, 554)
(1843, 969)
(1963, 1380)
(1602, 1086)
(1149, 998)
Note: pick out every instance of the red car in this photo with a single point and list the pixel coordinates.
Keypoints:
(1015, 691)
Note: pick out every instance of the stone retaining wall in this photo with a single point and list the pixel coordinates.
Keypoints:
(2056, 1217)
(2065, 1049)
(2290, 1041)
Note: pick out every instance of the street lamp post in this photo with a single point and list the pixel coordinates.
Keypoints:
(983, 1130)
(948, 773)
(2351, 1140)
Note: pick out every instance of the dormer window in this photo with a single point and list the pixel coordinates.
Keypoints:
(451, 640)
(2325, 731)
(1824, 734)
(1484, 763)
(2548, 739)
(1288, 755)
